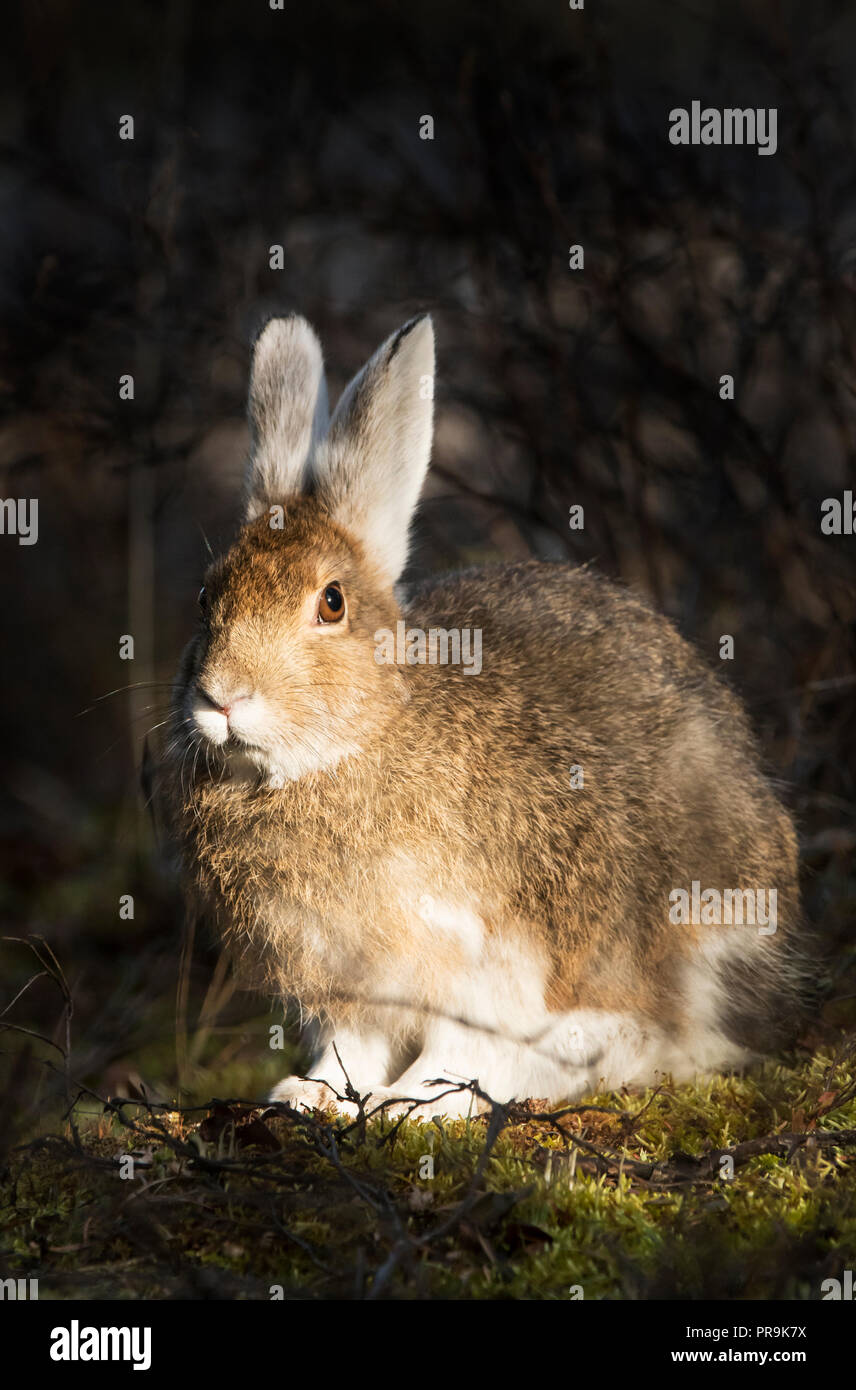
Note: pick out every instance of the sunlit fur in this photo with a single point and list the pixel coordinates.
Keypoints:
(400, 848)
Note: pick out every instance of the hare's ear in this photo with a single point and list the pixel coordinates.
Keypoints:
(288, 411)
(371, 466)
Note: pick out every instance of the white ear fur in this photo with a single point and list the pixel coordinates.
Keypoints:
(288, 411)
(371, 466)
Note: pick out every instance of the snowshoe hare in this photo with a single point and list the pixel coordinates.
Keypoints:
(508, 829)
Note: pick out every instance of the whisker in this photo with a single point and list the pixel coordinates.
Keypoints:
(124, 689)
(206, 540)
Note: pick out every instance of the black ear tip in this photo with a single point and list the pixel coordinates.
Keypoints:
(407, 329)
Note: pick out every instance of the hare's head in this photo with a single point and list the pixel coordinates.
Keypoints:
(282, 675)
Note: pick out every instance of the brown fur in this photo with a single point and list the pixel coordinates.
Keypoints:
(465, 780)
(460, 783)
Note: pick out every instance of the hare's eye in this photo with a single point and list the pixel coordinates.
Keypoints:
(202, 600)
(331, 604)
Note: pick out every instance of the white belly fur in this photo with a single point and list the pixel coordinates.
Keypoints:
(494, 1027)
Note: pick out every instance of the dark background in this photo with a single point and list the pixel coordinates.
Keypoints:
(597, 387)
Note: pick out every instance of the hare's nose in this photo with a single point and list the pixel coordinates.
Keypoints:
(224, 707)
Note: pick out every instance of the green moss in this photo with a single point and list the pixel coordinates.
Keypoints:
(618, 1204)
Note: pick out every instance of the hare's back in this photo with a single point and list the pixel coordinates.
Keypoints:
(568, 639)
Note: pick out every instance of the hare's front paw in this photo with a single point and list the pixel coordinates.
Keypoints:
(423, 1103)
(310, 1095)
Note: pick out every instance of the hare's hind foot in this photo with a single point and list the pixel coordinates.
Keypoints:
(574, 1055)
